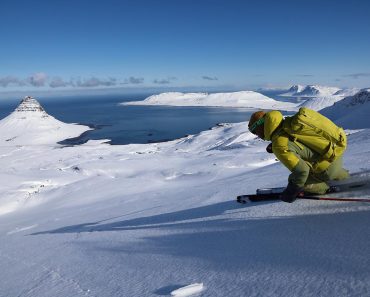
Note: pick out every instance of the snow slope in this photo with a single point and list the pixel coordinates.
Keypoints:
(321, 102)
(347, 92)
(248, 99)
(29, 124)
(352, 112)
(318, 103)
(146, 220)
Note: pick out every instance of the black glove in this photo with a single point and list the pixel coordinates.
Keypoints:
(269, 148)
(290, 193)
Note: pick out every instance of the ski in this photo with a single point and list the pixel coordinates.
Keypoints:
(276, 196)
(355, 182)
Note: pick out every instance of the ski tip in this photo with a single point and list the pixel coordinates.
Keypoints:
(242, 199)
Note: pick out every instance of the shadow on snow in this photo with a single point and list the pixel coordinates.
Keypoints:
(324, 242)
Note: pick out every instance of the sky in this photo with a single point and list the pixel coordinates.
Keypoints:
(221, 44)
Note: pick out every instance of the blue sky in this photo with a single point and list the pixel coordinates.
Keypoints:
(225, 44)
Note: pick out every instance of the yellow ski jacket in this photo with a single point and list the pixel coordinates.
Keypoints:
(297, 157)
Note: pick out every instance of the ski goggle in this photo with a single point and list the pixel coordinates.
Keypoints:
(256, 124)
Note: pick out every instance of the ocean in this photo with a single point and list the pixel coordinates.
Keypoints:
(132, 124)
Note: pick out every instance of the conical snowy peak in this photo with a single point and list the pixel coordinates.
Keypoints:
(30, 104)
(296, 89)
(29, 124)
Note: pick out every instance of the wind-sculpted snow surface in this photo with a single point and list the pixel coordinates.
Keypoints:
(247, 99)
(147, 220)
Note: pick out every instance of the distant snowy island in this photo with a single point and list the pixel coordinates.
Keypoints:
(317, 97)
(247, 99)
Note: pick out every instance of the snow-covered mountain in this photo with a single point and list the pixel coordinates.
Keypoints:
(311, 91)
(29, 124)
(351, 112)
(293, 90)
(347, 92)
(318, 103)
(248, 99)
(321, 102)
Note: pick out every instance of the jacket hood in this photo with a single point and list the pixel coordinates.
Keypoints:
(273, 120)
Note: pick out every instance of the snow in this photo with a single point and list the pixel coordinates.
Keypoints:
(352, 112)
(188, 290)
(146, 220)
(321, 102)
(247, 99)
(311, 91)
(318, 103)
(29, 124)
(293, 90)
(347, 92)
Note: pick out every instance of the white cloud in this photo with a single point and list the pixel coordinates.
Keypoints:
(95, 82)
(37, 79)
(133, 80)
(164, 81)
(11, 80)
(58, 82)
(205, 77)
(358, 75)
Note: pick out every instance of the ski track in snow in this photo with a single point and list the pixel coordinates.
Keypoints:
(16, 230)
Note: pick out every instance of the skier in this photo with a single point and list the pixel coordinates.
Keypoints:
(310, 169)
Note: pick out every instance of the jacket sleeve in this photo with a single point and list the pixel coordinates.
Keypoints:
(287, 153)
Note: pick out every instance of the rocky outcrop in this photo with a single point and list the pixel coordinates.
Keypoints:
(30, 104)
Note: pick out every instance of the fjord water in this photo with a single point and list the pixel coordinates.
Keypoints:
(133, 124)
